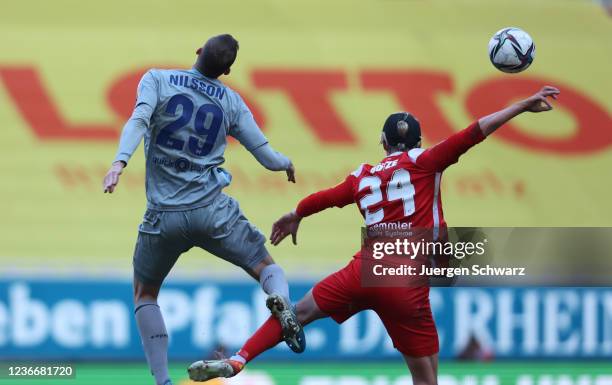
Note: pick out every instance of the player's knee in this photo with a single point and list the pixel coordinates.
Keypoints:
(426, 377)
(422, 369)
(257, 269)
(306, 311)
(302, 314)
(145, 297)
(145, 292)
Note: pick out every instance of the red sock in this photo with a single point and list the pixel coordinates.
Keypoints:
(266, 337)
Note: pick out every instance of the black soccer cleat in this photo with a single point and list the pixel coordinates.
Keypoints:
(293, 332)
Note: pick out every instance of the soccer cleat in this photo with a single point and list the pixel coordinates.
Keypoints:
(293, 332)
(207, 370)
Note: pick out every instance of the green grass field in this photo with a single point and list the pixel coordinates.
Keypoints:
(351, 373)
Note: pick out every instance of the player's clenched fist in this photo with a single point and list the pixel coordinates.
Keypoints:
(112, 177)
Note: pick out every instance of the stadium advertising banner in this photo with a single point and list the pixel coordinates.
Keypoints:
(320, 86)
(94, 320)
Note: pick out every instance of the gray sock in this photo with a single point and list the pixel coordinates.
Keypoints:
(273, 281)
(154, 339)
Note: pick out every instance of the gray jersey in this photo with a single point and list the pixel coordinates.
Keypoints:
(185, 118)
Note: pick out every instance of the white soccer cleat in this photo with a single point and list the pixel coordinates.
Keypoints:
(207, 370)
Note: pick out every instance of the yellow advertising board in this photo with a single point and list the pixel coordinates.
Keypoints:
(321, 77)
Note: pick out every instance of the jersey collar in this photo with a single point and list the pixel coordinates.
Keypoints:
(194, 71)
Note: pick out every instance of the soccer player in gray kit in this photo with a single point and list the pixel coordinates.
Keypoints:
(185, 117)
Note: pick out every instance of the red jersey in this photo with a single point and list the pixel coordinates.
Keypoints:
(403, 187)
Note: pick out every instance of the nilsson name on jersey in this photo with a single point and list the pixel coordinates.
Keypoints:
(198, 85)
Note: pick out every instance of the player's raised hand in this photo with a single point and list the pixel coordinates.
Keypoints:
(287, 224)
(112, 177)
(291, 173)
(539, 101)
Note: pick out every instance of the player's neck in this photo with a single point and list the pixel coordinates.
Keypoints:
(394, 151)
(198, 67)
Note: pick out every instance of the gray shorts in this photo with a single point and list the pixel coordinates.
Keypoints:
(219, 228)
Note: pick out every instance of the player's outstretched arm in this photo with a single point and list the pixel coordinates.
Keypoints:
(245, 129)
(337, 196)
(134, 130)
(447, 152)
(132, 135)
(535, 103)
(274, 161)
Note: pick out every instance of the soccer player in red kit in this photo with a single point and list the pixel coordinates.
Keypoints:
(404, 187)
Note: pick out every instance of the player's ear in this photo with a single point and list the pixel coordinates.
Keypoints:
(383, 141)
(227, 71)
(199, 51)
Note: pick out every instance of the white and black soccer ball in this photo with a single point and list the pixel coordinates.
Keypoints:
(511, 50)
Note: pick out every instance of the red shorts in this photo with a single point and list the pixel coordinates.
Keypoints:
(404, 311)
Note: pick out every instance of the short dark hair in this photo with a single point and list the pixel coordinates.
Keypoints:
(218, 55)
(402, 130)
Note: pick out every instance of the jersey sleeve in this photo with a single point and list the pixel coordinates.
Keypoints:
(136, 127)
(447, 152)
(148, 91)
(244, 128)
(338, 196)
(271, 159)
